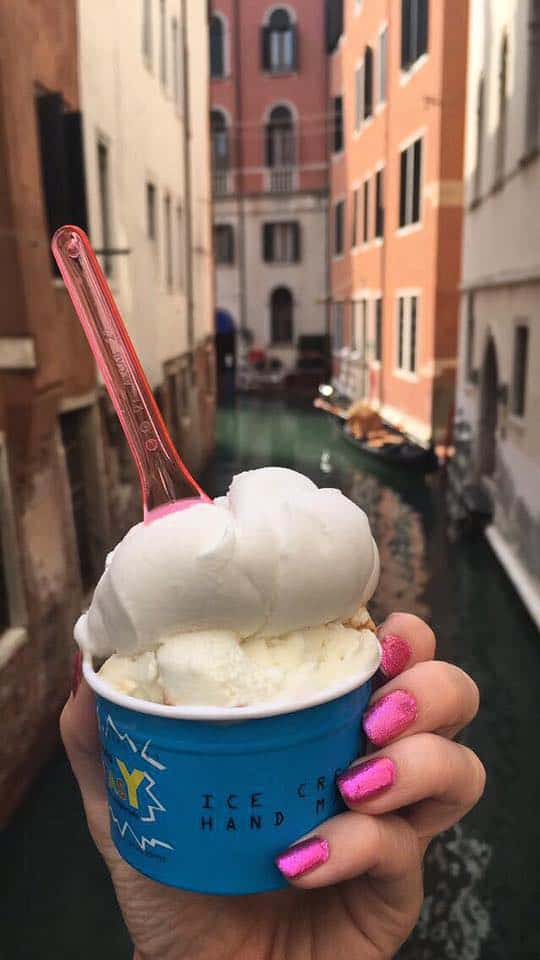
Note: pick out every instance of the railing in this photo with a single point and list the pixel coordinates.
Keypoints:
(220, 183)
(281, 179)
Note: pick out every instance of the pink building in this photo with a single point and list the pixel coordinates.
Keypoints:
(270, 144)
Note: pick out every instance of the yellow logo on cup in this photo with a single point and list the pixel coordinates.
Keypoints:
(131, 779)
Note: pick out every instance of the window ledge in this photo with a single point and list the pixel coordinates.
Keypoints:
(406, 375)
(375, 364)
(530, 156)
(516, 422)
(409, 228)
(338, 155)
(336, 257)
(380, 107)
(220, 78)
(11, 640)
(407, 73)
(378, 241)
(280, 73)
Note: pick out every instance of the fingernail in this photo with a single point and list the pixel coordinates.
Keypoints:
(76, 673)
(390, 716)
(366, 780)
(303, 857)
(396, 653)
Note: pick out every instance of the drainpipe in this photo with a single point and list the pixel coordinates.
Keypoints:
(239, 100)
(187, 178)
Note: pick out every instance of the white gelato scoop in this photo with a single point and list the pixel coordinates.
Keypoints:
(276, 555)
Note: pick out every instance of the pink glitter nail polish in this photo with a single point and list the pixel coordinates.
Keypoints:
(390, 716)
(303, 857)
(367, 780)
(396, 653)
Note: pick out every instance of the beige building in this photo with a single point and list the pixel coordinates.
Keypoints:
(499, 369)
(145, 104)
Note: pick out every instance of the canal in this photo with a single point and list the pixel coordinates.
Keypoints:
(482, 878)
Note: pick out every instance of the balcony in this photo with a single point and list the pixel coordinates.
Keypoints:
(281, 179)
(220, 183)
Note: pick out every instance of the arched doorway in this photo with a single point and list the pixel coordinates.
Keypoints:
(281, 310)
(487, 433)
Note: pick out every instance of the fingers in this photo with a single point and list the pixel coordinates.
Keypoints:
(430, 697)
(350, 845)
(405, 640)
(438, 780)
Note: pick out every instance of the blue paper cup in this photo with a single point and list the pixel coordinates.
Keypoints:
(204, 798)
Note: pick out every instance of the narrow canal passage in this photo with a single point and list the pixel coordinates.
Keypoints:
(483, 878)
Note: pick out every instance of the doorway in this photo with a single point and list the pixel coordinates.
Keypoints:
(489, 411)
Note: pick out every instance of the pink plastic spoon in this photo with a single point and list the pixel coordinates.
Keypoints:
(162, 473)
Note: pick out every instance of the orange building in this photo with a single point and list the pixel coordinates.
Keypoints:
(397, 97)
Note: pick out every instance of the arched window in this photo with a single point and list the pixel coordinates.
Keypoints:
(217, 47)
(281, 306)
(280, 43)
(280, 146)
(501, 129)
(220, 150)
(480, 114)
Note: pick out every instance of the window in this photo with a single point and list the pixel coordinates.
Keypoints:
(151, 212)
(521, 357)
(280, 146)
(368, 83)
(175, 59)
(409, 189)
(406, 359)
(224, 243)
(147, 32)
(62, 163)
(359, 332)
(365, 229)
(338, 325)
(501, 128)
(334, 23)
(180, 234)
(480, 111)
(532, 127)
(339, 222)
(281, 242)
(282, 315)
(378, 329)
(414, 31)
(280, 43)
(337, 113)
(163, 35)
(471, 331)
(220, 151)
(104, 206)
(359, 87)
(379, 204)
(382, 70)
(356, 206)
(168, 242)
(74, 427)
(217, 47)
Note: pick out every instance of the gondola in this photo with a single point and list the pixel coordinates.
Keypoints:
(401, 452)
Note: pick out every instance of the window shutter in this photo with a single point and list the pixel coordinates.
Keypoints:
(405, 31)
(73, 134)
(50, 109)
(368, 82)
(417, 174)
(422, 27)
(230, 244)
(265, 48)
(295, 46)
(297, 252)
(269, 145)
(268, 242)
(403, 189)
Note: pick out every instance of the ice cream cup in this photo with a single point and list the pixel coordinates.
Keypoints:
(204, 798)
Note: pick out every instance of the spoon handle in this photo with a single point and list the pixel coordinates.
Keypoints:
(162, 473)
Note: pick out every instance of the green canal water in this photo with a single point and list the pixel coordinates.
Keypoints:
(482, 878)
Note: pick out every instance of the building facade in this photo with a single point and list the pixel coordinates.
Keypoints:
(270, 178)
(397, 92)
(499, 355)
(68, 489)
